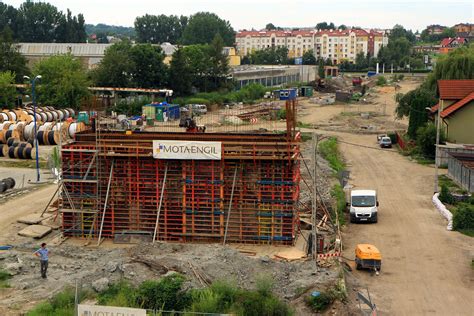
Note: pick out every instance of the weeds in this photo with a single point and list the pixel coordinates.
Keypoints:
(4, 277)
(338, 194)
(329, 151)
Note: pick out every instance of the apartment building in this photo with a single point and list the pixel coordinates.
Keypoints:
(336, 45)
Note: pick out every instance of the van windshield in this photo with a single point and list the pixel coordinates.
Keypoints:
(363, 201)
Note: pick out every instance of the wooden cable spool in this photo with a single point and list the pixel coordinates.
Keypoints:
(1, 149)
(11, 152)
(3, 140)
(12, 140)
(5, 125)
(12, 134)
(40, 137)
(5, 150)
(29, 153)
(15, 152)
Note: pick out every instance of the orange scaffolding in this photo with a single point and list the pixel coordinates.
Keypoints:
(112, 186)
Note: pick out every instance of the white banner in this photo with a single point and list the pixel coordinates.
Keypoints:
(97, 310)
(177, 149)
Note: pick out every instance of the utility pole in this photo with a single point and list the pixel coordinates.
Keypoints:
(314, 161)
(440, 108)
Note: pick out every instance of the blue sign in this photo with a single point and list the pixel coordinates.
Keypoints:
(287, 94)
(299, 61)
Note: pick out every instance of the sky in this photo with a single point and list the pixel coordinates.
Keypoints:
(248, 14)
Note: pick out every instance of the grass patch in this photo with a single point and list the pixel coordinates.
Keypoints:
(4, 277)
(444, 180)
(329, 150)
(304, 125)
(305, 136)
(23, 164)
(338, 194)
(61, 304)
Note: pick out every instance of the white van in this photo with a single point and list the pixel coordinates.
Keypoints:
(363, 206)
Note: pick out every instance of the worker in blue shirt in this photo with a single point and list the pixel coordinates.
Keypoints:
(43, 254)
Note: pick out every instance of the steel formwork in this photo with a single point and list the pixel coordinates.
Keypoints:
(248, 196)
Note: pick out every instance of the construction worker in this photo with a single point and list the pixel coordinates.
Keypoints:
(43, 254)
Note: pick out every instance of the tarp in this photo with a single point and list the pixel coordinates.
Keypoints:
(173, 149)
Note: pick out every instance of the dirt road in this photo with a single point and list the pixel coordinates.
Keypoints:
(426, 269)
(10, 211)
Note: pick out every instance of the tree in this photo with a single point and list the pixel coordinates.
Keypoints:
(116, 67)
(203, 27)
(148, 68)
(361, 61)
(325, 26)
(64, 81)
(10, 59)
(7, 90)
(180, 74)
(399, 31)
(309, 58)
(9, 19)
(342, 27)
(198, 61)
(160, 28)
(219, 64)
(321, 71)
(270, 27)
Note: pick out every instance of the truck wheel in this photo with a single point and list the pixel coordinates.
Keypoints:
(358, 266)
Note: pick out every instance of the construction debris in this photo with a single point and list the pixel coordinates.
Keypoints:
(35, 231)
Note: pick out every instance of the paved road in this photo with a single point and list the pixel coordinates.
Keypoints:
(426, 269)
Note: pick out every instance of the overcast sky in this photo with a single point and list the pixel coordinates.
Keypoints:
(247, 14)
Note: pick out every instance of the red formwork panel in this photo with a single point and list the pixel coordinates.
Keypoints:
(196, 203)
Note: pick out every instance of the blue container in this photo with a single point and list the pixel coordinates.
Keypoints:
(371, 73)
(287, 94)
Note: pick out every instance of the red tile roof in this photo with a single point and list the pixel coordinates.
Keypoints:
(434, 108)
(455, 89)
(456, 106)
(446, 41)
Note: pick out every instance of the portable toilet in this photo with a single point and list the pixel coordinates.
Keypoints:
(83, 117)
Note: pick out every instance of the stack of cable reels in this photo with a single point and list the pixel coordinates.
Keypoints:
(3, 129)
(62, 130)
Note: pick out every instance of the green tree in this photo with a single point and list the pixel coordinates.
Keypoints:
(399, 31)
(418, 101)
(361, 61)
(321, 72)
(309, 58)
(218, 62)
(180, 73)
(149, 70)
(342, 27)
(270, 26)
(9, 19)
(116, 68)
(10, 59)
(203, 27)
(159, 28)
(325, 26)
(7, 90)
(64, 81)
(458, 64)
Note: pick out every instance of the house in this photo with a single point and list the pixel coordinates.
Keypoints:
(450, 43)
(435, 29)
(456, 100)
(463, 28)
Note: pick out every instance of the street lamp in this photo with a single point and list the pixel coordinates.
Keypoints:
(33, 94)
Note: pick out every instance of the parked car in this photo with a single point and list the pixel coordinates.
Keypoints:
(198, 109)
(385, 142)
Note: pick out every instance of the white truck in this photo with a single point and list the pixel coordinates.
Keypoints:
(363, 206)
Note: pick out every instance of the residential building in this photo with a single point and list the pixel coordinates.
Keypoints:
(457, 110)
(336, 45)
(435, 29)
(234, 59)
(464, 28)
(450, 43)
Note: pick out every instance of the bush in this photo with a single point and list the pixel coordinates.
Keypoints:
(197, 101)
(319, 303)
(381, 81)
(131, 107)
(426, 140)
(282, 114)
(118, 294)
(393, 137)
(445, 196)
(463, 218)
(164, 294)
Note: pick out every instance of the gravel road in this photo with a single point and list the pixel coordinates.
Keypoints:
(425, 268)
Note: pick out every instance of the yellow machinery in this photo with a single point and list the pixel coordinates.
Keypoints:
(368, 257)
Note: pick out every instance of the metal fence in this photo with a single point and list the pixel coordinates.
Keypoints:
(461, 169)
